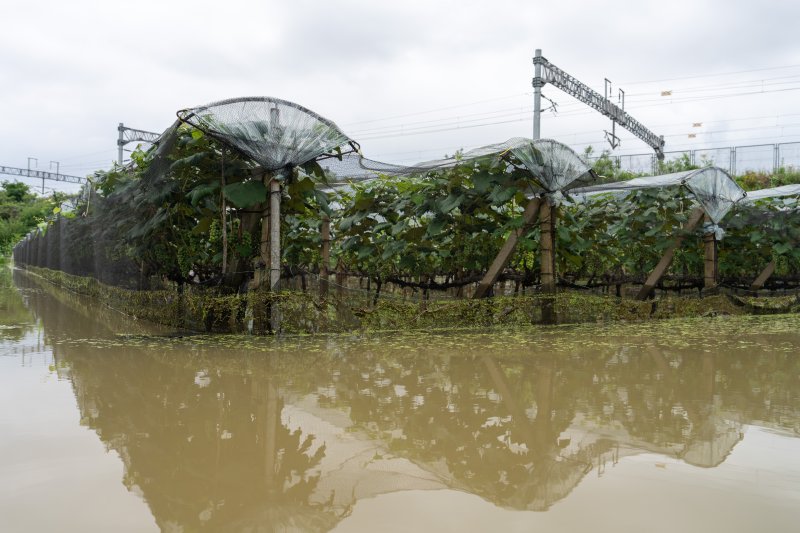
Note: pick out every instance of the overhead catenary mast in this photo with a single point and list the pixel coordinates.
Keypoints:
(128, 135)
(545, 72)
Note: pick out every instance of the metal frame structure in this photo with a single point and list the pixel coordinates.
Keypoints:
(40, 174)
(129, 135)
(545, 72)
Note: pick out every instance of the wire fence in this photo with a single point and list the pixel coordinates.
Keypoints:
(734, 159)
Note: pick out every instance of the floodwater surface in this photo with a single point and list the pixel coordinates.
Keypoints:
(109, 424)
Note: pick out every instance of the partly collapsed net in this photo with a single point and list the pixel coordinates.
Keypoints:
(713, 188)
(278, 135)
(552, 166)
(785, 191)
(274, 133)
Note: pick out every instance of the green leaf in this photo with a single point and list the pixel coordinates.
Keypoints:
(782, 248)
(202, 226)
(201, 191)
(245, 193)
(501, 195)
(451, 202)
(190, 161)
(313, 168)
(482, 181)
(435, 227)
(364, 252)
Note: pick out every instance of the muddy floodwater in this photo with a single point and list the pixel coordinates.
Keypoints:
(109, 424)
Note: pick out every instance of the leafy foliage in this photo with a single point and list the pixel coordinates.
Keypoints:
(443, 228)
(21, 211)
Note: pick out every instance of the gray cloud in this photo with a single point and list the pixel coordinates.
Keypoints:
(69, 72)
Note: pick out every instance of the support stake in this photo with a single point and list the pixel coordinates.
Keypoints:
(504, 256)
(658, 272)
(763, 277)
(547, 221)
(547, 247)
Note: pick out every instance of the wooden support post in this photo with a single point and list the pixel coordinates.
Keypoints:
(658, 272)
(504, 256)
(547, 246)
(274, 235)
(324, 269)
(763, 277)
(547, 249)
(274, 259)
(260, 276)
(710, 262)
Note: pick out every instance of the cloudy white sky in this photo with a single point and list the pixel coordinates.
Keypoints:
(410, 80)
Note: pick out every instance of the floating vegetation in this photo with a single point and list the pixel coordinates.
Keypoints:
(196, 310)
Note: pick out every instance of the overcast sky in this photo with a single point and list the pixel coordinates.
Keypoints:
(409, 80)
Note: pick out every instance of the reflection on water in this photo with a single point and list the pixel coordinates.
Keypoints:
(15, 318)
(238, 434)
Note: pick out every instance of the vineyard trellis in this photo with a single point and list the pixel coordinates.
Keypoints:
(241, 193)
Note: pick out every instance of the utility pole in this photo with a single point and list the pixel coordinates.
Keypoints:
(537, 94)
(120, 142)
(128, 135)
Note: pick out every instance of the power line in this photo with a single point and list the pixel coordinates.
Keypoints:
(711, 75)
(767, 82)
(487, 114)
(435, 110)
(473, 123)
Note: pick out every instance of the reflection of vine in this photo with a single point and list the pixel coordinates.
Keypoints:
(207, 452)
(15, 318)
(197, 423)
(498, 426)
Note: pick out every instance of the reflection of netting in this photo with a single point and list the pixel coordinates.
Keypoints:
(274, 133)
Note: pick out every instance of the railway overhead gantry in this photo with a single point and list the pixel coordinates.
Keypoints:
(546, 72)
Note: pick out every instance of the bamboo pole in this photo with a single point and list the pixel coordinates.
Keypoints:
(658, 272)
(763, 277)
(504, 256)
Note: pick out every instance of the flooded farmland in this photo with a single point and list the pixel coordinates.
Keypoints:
(110, 424)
